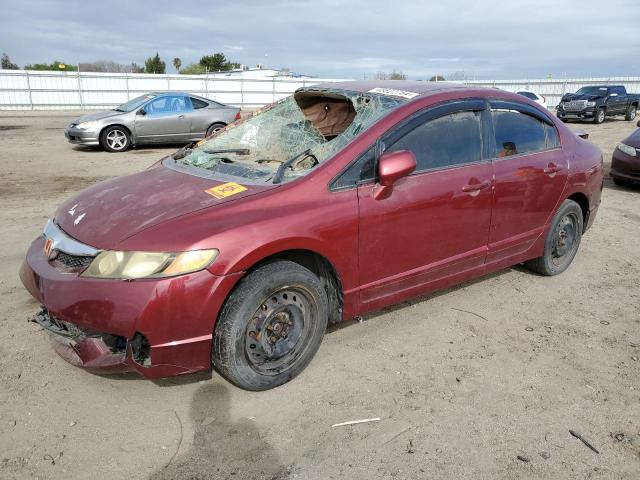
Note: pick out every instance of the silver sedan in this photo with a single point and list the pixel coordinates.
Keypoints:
(161, 117)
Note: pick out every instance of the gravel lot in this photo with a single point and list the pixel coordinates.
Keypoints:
(465, 381)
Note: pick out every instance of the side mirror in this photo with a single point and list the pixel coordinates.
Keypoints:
(142, 111)
(391, 168)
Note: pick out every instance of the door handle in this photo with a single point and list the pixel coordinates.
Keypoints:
(180, 116)
(474, 189)
(551, 169)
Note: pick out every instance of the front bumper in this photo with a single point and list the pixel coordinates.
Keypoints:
(624, 166)
(157, 327)
(82, 137)
(586, 113)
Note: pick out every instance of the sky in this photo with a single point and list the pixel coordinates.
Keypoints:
(499, 39)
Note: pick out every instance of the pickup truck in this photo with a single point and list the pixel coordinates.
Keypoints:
(597, 102)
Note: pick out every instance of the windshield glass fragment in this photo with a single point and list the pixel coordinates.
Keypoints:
(289, 138)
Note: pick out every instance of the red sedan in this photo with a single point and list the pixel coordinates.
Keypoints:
(236, 252)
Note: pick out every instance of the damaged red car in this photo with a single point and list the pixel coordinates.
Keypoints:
(236, 252)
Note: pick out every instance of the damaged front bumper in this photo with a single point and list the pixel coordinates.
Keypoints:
(82, 137)
(157, 327)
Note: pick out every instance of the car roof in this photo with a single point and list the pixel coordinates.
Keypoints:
(187, 94)
(398, 88)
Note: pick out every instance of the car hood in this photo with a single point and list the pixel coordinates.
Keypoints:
(97, 116)
(109, 212)
(633, 140)
(574, 96)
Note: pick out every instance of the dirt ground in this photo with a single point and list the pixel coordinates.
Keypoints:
(465, 382)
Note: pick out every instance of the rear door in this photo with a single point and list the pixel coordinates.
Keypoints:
(436, 222)
(530, 169)
(166, 119)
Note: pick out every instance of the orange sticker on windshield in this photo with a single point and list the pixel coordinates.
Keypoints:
(226, 190)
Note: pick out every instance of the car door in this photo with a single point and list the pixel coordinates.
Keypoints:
(164, 119)
(530, 170)
(436, 222)
(620, 100)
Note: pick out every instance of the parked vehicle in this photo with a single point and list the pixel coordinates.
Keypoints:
(535, 96)
(160, 117)
(597, 102)
(342, 199)
(625, 163)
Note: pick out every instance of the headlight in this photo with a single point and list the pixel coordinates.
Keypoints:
(131, 265)
(626, 149)
(591, 104)
(87, 125)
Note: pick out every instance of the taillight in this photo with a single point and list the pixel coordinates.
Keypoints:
(238, 116)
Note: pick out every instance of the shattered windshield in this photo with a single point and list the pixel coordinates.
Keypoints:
(290, 138)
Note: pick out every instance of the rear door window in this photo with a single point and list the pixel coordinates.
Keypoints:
(447, 141)
(517, 133)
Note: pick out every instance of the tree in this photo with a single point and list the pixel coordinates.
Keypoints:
(397, 76)
(134, 68)
(177, 63)
(458, 75)
(154, 65)
(382, 76)
(56, 65)
(437, 78)
(103, 66)
(193, 69)
(7, 64)
(215, 63)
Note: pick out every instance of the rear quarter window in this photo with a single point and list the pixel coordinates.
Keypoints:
(198, 103)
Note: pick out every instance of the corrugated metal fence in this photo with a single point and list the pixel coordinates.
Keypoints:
(36, 90)
(40, 90)
(553, 89)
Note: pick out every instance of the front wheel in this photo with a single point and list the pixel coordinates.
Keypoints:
(599, 116)
(562, 241)
(271, 326)
(115, 139)
(631, 113)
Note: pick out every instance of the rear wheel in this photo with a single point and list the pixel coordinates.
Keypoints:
(599, 116)
(216, 127)
(631, 113)
(271, 326)
(562, 241)
(115, 139)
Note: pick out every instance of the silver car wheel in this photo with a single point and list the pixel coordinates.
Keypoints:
(117, 139)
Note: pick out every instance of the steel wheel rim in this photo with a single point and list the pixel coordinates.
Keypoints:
(116, 139)
(279, 331)
(565, 239)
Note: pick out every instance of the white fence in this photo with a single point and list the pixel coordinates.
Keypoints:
(35, 90)
(554, 89)
(39, 90)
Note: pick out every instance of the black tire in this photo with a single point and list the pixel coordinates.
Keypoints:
(631, 113)
(214, 128)
(599, 116)
(562, 242)
(115, 139)
(284, 299)
(621, 182)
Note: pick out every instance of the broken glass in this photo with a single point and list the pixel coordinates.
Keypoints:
(293, 135)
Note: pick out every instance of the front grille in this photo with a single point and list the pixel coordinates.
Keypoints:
(575, 105)
(75, 262)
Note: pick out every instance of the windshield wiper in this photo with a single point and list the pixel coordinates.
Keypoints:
(117, 110)
(237, 151)
(277, 178)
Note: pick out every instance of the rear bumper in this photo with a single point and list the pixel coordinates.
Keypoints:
(625, 167)
(81, 137)
(157, 327)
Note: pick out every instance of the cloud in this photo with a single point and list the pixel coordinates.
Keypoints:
(333, 38)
